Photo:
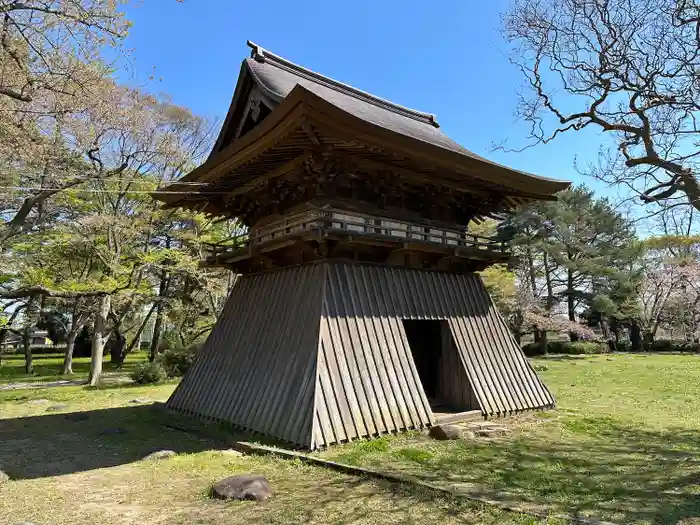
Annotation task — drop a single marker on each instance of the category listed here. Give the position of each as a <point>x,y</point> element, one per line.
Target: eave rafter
<point>303,111</point>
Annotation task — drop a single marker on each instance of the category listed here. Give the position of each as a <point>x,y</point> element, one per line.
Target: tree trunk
<point>549,304</point>
<point>157,333</point>
<point>548,282</point>
<point>98,339</point>
<point>75,327</point>
<point>635,336</point>
<point>531,272</point>
<point>158,324</point>
<point>137,335</point>
<point>27,345</point>
<point>604,328</point>
<point>70,345</point>
<point>32,318</point>
<point>570,305</point>
<point>543,342</point>
<point>117,343</point>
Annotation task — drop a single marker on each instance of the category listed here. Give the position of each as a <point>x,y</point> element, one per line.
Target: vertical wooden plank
<point>386,313</point>
<point>345,351</point>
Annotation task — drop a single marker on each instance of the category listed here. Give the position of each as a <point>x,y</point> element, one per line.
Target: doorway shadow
<point>57,444</point>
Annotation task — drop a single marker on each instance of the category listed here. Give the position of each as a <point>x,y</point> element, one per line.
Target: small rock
<point>4,478</point>
<point>232,452</point>
<point>38,402</point>
<point>141,400</point>
<point>160,454</point>
<point>491,432</point>
<point>443,432</point>
<point>244,487</point>
<point>56,408</point>
<point>112,431</point>
<point>78,416</point>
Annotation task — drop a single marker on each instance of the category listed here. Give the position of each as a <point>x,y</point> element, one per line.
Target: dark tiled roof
<point>278,77</point>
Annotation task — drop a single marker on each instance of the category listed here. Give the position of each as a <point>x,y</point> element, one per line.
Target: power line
<point>149,192</point>
<point>119,179</point>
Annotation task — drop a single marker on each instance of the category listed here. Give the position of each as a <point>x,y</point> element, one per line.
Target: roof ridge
<point>260,54</point>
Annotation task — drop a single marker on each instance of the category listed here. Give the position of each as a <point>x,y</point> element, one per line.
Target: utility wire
<point>162,192</point>
<point>119,179</point>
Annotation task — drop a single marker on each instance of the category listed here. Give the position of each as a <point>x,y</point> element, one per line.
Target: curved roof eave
<point>316,107</point>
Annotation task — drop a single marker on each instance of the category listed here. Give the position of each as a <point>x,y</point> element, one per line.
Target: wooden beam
<point>277,172</point>
<point>306,126</point>
<point>328,116</point>
<point>409,174</point>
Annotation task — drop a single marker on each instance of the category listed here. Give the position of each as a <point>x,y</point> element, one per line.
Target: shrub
<point>169,340</point>
<point>566,347</point>
<point>690,347</point>
<point>661,345</point>
<point>585,347</point>
<point>176,360</point>
<point>558,347</point>
<point>533,349</point>
<point>623,346</point>
<point>148,373</point>
<point>666,345</point>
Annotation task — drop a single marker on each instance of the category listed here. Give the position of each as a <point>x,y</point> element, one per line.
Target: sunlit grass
<point>624,444</point>
<point>83,464</point>
<point>48,367</point>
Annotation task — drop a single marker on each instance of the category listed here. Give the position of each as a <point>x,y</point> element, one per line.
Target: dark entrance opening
<point>425,341</point>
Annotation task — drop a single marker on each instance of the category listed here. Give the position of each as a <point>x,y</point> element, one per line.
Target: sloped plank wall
<point>257,369</point>
<point>317,354</point>
<point>368,384</point>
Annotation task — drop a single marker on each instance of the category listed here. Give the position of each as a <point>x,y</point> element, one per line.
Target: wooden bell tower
<point>358,312</point>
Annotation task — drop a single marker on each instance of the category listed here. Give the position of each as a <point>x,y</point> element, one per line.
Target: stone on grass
<point>141,400</point>
<point>491,432</point>
<point>232,452</point>
<point>160,454</point>
<point>56,408</point>
<point>4,478</point>
<point>244,487</point>
<point>444,432</point>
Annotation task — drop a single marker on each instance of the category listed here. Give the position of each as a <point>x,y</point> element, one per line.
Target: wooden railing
<point>336,220</point>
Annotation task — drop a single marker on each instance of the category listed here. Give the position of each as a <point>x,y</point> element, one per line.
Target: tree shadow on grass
<point>57,444</point>
<point>60,444</point>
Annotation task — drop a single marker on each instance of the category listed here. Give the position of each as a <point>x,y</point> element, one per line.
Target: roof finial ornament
<point>257,52</point>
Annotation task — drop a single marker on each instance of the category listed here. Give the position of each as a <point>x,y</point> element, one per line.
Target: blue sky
<point>447,58</point>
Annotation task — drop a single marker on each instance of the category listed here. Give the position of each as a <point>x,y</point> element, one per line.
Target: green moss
<point>413,454</point>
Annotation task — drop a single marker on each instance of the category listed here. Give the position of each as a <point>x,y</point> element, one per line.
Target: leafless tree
<point>46,44</point>
<point>628,68</point>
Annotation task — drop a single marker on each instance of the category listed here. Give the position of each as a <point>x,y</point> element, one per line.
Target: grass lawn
<point>47,367</point>
<point>74,456</point>
<point>623,445</point>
